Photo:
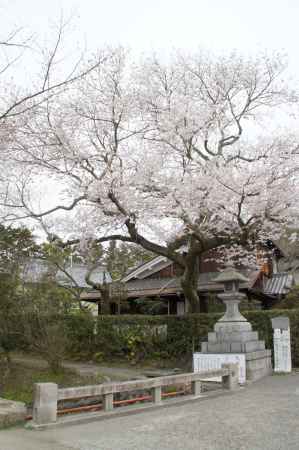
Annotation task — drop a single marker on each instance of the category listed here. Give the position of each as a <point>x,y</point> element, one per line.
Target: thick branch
<point>151,246</point>
<point>52,210</point>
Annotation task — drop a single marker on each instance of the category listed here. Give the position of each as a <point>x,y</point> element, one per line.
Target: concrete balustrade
<point>108,402</point>
<point>45,403</point>
<point>47,395</point>
<point>157,395</point>
<point>196,387</point>
<point>231,381</point>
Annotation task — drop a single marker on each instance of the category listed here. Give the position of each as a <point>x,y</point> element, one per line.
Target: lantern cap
<point>230,274</point>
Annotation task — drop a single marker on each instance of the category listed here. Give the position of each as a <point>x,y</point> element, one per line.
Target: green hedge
<point>145,337</point>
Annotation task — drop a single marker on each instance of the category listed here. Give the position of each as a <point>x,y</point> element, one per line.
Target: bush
<point>80,327</point>
<point>291,301</point>
<point>132,337</point>
<point>138,337</point>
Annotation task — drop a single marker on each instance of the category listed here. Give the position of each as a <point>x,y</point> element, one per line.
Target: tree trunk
<point>5,367</point>
<point>190,279</point>
<point>104,303</point>
<point>55,364</point>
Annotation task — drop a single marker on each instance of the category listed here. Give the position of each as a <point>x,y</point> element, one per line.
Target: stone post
<point>196,388</point>
<point>282,344</point>
<point>231,381</point>
<point>157,394</point>
<point>45,403</point>
<point>108,401</point>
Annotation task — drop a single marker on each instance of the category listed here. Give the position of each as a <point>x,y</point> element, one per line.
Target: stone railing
<point>47,395</point>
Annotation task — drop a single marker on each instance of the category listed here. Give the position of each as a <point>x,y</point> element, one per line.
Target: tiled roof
<point>34,270</point>
<point>156,286</point>
<point>279,283</point>
<point>78,273</point>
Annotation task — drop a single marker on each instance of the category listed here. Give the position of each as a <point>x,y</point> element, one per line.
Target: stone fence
<point>47,395</point>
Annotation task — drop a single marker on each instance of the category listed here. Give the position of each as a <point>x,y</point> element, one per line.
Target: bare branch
<point>44,90</point>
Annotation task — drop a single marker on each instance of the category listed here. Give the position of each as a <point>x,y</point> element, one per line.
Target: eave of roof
<point>165,286</point>
<point>142,267</point>
<point>279,284</point>
<point>156,260</point>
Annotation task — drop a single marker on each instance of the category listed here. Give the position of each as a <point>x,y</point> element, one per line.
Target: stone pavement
<point>265,416</point>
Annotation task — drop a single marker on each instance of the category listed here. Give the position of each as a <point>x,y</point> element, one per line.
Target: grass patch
<point>19,384</point>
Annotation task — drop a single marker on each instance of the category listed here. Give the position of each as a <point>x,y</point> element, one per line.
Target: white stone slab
<point>209,361</point>
<point>282,350</point>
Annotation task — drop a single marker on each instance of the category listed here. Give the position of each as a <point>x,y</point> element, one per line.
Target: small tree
<point>44,322</point>
<point>16,244</point>
<point>10,330</point>
<point>58,258</point>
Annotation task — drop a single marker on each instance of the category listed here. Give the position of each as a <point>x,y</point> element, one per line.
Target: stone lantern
<point>231,297</point>
<point>233,339</point>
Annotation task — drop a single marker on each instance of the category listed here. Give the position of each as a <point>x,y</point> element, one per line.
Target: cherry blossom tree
<point>177,156</point>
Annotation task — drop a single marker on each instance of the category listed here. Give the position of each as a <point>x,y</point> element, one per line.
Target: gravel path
<point>116,373</point>
<point>263,416</point>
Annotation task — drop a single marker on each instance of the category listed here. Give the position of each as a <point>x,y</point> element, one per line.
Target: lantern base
<point>252,365</point>
<point>258,365</point>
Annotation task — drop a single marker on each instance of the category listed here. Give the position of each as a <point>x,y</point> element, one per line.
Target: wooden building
<point>159,280</point>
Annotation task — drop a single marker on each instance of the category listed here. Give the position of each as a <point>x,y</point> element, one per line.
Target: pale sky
<point>161,25</point>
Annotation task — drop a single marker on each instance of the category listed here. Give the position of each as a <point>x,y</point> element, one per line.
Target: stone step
<point>233,326</point>
<point>246,336</point>
<point>232,347</point>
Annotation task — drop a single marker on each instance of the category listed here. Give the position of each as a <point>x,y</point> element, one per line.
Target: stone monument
<point>282,344</point>
<point>233,339</point>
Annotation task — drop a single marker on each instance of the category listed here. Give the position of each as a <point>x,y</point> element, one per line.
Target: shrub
<point>291,301</point>
<point>80,327</point>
